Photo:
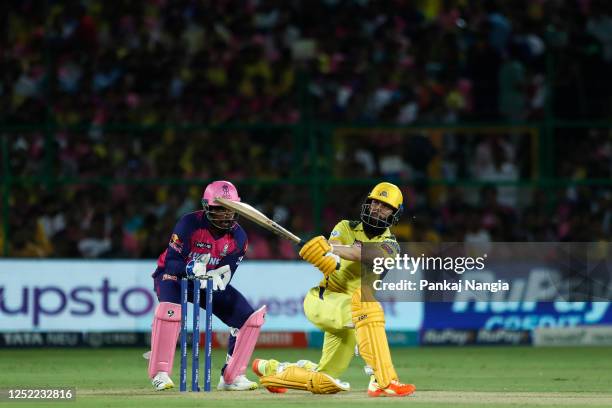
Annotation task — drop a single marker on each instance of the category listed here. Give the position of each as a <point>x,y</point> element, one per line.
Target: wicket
<point>195,345</point>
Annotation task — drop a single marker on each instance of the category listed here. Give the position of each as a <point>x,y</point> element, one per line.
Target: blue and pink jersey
<point>192,238</point>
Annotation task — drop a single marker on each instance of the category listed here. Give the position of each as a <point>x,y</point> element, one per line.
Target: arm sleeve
<point>178,248</point>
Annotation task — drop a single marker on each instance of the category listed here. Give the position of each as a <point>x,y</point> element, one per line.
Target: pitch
<point>445,377</point>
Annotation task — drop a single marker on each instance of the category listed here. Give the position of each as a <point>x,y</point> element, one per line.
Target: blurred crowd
<point>488,193</point>
<point>121,194</point>
<point>91,222</point>
<point>89,65</point>
<point>275,61</point>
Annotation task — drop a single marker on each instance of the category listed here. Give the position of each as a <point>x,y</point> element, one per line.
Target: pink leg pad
<point>166,328</point>
<point>245,343</point>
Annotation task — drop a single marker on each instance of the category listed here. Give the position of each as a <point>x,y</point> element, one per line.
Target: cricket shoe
<point>268,367</point>
<point>162,381</point>
<point>394,389</point>
<point>241,383</point>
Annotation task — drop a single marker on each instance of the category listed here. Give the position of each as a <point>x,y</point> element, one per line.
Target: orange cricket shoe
<point>267,367</point>
<point>395,389</point>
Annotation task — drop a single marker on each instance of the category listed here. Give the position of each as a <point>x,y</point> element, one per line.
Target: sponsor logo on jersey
<point>387,248</point>
<point>197,257</point>
<point>203,245</point>
<point>176,243</point>
<point>390,246</point>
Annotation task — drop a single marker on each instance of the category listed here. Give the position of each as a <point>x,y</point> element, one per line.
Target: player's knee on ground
<point>369,320</point>
<point>299,378</point>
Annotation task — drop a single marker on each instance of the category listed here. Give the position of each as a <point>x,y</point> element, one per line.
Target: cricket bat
<point>253,214</point>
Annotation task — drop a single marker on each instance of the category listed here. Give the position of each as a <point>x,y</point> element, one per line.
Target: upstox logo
<point>42,302</point>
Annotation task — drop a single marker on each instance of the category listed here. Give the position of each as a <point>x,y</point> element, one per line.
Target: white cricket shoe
<point>241,383</point>
<point>162,381</point>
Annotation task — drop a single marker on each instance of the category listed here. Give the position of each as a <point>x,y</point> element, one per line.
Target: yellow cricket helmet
<point>389,194</point>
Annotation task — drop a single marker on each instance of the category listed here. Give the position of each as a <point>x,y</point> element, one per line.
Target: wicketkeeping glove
<point>197,270</point>
<point>217,277</point>
<point>314,249</point>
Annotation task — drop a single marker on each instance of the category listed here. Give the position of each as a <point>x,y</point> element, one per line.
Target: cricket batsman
<point>204,243</point>
<point>336,307</point>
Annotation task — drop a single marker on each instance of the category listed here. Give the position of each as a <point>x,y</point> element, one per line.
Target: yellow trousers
<point>331,312</point>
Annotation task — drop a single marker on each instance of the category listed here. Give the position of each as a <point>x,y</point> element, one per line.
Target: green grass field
<point>445,377</point>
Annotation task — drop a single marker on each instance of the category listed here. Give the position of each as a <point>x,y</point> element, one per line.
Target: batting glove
<point>314,249</point>
<point>328,264</point>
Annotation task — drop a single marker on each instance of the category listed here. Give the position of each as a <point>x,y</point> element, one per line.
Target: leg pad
<point>245,343</point>
<point>369,320</point>
<point>299,378</point>
<point>166,328</point>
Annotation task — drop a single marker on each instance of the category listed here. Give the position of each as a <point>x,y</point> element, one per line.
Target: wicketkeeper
<point>208,242</point>
<point>336,307</point>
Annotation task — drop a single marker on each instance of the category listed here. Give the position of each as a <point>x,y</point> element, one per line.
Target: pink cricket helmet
<point>220,188</point>
<point>220,217</point>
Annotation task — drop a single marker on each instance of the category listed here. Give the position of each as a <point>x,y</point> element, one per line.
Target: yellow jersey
<point>348,278</point>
